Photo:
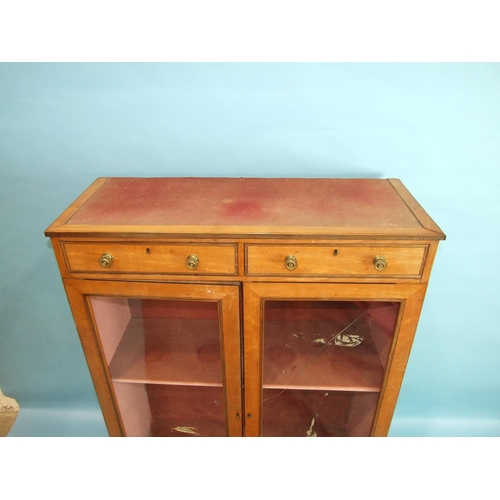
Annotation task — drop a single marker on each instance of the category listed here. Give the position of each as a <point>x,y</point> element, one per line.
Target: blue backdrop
<point>434,126</point>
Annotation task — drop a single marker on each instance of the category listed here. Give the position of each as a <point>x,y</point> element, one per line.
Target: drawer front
<point>342,260</point>
<point>138,258</point>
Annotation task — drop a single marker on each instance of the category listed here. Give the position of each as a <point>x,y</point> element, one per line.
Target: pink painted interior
<point>340,414</point>
<point>361,414</point>
<point>169,351</point>
<point>179,309</point>
<point>314,310</point>
<point>305,376</point>
<point>134,408</point>
<point>112,315</point>
<point>173,407</point>
<point>299,351</point>
<point>246,202</point>
<point>383,317</point>
<point>165,363</point>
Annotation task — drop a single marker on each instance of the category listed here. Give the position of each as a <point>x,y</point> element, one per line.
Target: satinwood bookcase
<point>246,307</point>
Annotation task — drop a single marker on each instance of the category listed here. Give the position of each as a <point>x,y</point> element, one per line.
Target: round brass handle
<point>192,262</point>
<point>291,262</point>
<point>106,260</point>
<point>380,263</point>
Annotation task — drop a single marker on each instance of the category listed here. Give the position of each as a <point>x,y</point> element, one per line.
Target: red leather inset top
<point>246,202</point>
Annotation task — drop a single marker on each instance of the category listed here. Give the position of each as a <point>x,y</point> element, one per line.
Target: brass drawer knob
<point>106,260</point>
<point>291,262</point>
<point>380,263</point>
<point>192,262</point>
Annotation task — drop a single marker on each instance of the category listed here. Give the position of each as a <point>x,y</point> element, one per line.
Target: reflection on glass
<point>164,358</point>
<point>324,364</point>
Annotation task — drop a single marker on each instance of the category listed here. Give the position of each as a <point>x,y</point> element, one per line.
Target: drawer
<point>330,260</point>
<point>152,258</point>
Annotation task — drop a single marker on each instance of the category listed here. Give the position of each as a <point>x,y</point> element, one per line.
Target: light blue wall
<point>434,126</point>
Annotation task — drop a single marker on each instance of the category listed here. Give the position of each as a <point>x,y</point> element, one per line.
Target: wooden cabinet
<point>246,307</point>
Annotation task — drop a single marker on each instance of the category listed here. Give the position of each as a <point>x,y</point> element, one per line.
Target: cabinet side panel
<point>61,262</point>
<point>409,321</point>
<point>429,262</point>
<point>95,358</point>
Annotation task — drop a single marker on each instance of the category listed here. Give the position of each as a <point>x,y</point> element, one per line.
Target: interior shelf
<point>303,355</point>
<point>169,351</point>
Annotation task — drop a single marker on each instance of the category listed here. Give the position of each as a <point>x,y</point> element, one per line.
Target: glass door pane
<point>323,365</point>
<point>165,362</point>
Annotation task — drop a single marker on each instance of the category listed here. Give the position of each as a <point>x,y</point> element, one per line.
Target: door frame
<point>227,297</point>
<point>410,296</point>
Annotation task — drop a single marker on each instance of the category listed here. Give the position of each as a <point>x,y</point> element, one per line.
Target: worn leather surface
<point>247,202</point>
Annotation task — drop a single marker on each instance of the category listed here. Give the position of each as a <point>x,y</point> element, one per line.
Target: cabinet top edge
<point>246,207</point>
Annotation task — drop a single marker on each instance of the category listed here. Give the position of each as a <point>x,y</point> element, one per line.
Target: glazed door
<point>164,358</point>
<point>325,359</point>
